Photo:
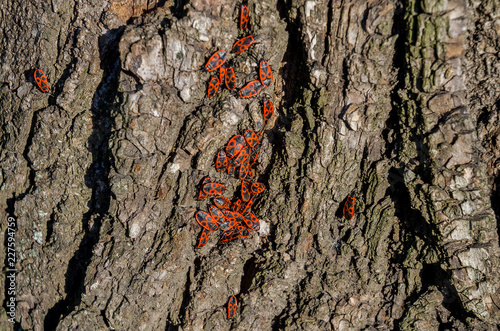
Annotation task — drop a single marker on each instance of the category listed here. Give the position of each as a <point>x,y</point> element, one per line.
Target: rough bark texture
<point>396,100</point>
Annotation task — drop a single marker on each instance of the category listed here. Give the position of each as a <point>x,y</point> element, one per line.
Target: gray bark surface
<point>398,101</point>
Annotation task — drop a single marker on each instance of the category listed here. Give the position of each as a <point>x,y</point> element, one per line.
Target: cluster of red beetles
<point>234,219</point>
<point>238,158</point>
<point>241,151</point>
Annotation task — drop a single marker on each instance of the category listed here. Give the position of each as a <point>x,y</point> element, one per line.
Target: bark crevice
<point>96,179</point>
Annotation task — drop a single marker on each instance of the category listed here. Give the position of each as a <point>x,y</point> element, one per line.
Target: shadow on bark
<point>178,8</point>
<point>186,296</point>
<point>415,226</point>
<point>495,197</point>
<point>294,58</point>
<point>249,270</point>
<point>96,178</point>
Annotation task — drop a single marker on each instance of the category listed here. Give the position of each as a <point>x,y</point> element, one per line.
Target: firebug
<point>221,162</point>
<point>243,155</point>
<point>205,220</point>
<point>242,44</point>
<point>251,138</point>
<point>268,109</point>
<point>244,17</point>
<point>251,221</point>
<point>265,73</point>
<point>205,234</point>
<point>222,202</point>
<point>244,170</point>
<point>234,146</point>
<point>222,74</point>
<point>202,195</point>
<point>349,206</point>
<point>216,60</point>
<point>257,188</point>
<point>217,215</point>
<point>41,81</point>
<point>251,89</point>
<point>230,78</point>
<point>213,86</point>
<point>245,191</point>
<point>213,188</point>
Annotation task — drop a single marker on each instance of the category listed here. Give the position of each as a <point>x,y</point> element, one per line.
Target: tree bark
<point>396,101</point>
